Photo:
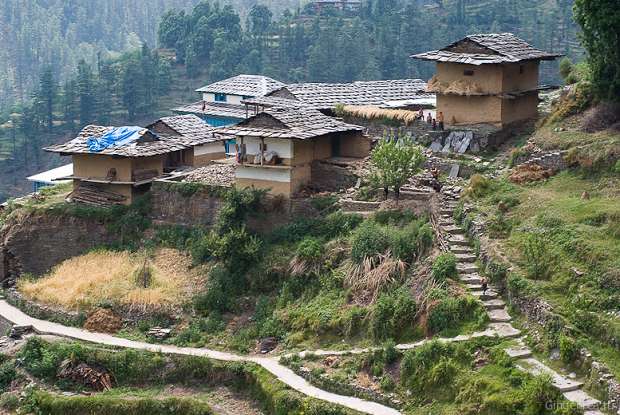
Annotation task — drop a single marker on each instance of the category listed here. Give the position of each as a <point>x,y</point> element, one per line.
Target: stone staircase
<point>469,275</point>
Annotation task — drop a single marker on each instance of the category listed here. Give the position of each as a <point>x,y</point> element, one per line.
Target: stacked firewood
<point>98,379</point>
<point>92,195</point>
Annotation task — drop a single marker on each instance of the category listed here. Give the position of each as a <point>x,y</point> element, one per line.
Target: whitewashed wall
<point>284,148</point>
<point>209,148</point>
<point>265,173</point>
<point>230,99</point>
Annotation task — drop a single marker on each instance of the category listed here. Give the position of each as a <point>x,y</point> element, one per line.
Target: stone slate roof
<point>289,123</point>
<point>325,96</point>
<point>492,48</point>
<point>248,85</point>
<point>190,134</point>
<point>192,128</point>
<point>214,109</point>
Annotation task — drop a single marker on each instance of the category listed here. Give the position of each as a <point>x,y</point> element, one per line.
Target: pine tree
<point>69,105</point>
<point>85,86</point>
<point>46,97</point>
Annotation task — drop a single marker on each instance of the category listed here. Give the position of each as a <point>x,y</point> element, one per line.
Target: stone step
<point>489,295</point>
<point>582,399</point>
<point>461,249</point>
<point>499,315</point>
<point>473,287</point>
<point>536,367</point>
<point>466,257</point>
<point>459,240</point>
<point>471,278</point>
<point>467,268</point>
<point>447,211</point>
<point>453,230</point>
<point>494,304</point>
<point>447,222</point>
<point>519,352</point>
<point>505,330</point>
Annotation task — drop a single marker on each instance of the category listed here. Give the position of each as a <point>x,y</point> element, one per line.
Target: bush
<point>310,249</point>
<point>540,396</point>
<point>479,186</point>
<point>569,350</point>
<point>334,225</point>
<point>410,242</point>
<point>393,315</point>
<point>537,256</point>
<point>444,267</point>
<point>7,374</point>
<point>450,312</point>
<point>368,241</point>
<point>434,365</point>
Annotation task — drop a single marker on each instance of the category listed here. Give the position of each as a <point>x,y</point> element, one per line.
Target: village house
<point>487,79</point>
<point>325,97</point>
<point>114,165</point>
<point>343,5</point>
<point>276,147</point>
<point>221,102</point>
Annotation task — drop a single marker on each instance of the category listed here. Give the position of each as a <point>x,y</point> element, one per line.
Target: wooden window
<point>468,72</point>
<point>220,97</point>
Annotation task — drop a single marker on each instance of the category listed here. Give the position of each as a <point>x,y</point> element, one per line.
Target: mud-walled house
<point>487,79</point>
<point>113,165</point>
<point>277,147</point>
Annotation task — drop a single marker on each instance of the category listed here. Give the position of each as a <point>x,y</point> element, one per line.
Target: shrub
<point>309,249</point>
<point>497,271</point>
<point>537,256</point>
<point>7,374</point>
<point>393,315</point>
<point>368,241</point>
<point>479,186</point>
<point>569,350</point>
<point>410,242</point>
<point>238,205</point>
<point>540,396</point>
<point>450,312</point>
<point>444,267</point>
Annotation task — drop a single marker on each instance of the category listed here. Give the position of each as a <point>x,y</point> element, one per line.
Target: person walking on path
<point>485,286</point>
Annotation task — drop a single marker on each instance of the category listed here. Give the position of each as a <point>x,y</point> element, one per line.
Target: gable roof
<point>325,96</point>
<point>491,48</point>
<point>193,129</point>
<point>189,133</point>
<point>289,122</point>
<point>244,85</point>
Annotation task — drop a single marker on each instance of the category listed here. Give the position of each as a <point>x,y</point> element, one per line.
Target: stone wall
<point>553,160</point>
<point>329,177</point>
<point>35,242</point>
<point>176,207</point>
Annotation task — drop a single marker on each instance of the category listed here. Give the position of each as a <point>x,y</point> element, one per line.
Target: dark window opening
<point>468,72</point>
<point>521,69</point>
<point>220,97</point>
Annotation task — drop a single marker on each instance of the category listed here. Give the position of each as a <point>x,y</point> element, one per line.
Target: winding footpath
<point>271,364</point>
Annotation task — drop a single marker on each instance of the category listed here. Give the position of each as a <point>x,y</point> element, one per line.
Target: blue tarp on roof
<point>116,137</point>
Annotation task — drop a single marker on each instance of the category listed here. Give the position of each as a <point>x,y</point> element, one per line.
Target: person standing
<point>440,120</point>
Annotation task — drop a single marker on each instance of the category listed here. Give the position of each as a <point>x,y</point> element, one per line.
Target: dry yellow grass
<point>84,282</point>
<point>376,113</point>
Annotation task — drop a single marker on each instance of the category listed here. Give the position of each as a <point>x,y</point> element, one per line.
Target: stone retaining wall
<point>44,312</point>
<point>33,243</point>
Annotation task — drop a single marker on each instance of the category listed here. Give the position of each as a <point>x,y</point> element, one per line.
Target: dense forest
<point>135,60</point>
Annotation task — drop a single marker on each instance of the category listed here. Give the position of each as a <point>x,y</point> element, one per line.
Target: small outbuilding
<point>113,165</point>
<point>487,79</point>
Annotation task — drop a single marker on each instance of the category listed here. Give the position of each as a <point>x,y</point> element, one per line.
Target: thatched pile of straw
<point>375,113</point>
<point>459,87</point>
